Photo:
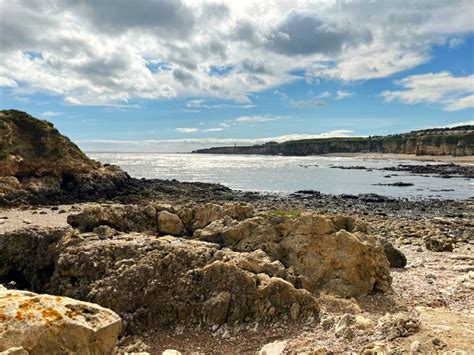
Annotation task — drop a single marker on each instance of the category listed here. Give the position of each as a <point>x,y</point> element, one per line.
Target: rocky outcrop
<point>45,324</point>
<point>262,268</point>
<point>457,141</point>
<point>321,252</point>
<point>38,164</point>
<point>163,281</point>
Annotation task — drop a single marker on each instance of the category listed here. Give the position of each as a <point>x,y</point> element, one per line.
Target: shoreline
<point>461,160</point>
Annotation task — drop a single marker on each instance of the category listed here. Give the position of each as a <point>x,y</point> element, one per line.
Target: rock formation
<point>261,268</point>
<point>44,324</point>
<point>38,164</point>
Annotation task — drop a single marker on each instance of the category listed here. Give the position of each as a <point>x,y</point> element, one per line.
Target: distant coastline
<point>456,141</point>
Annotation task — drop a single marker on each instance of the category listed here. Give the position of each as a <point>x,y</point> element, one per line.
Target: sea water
<point>288,174</point>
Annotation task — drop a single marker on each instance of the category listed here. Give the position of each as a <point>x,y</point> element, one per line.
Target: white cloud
<point>197,130</point>
<point>51,114</point>
<point>307,104</point>
<point>7,82</point>
<point>187,130</point>
<point>341,94</point>
<point>88,55</point>
<point>188,144</point>
<point>258,118</point>
<point>452,93</point>
<point>459,104</point>
<point>323,95</point>
<point>456,124</point>
<point>455,42</point>
<point>216,129</point>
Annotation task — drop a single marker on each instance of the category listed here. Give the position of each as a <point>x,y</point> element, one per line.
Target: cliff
<point>37,163</point>
<point>457,141</point>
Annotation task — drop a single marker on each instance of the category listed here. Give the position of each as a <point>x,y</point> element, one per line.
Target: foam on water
<point>287,174</point>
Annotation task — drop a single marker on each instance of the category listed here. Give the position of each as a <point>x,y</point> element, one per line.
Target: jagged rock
<point>199,216</point>
<point>123,218</point>
<point>45,324</point>
<point>321,256</point>
<point>394,256</point>
<point>169,223</point>
<point>180,281</point>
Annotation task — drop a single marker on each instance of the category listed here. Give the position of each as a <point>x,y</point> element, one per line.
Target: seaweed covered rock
<point>45,324</point>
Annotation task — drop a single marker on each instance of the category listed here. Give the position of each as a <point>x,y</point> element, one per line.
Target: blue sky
<point>199,74</point>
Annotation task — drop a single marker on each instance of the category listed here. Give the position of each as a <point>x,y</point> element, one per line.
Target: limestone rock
<point>320,255</point>
<point>180,281</point>
<point>275,348</point>
<point>123,218</point>
<point>169,223</point>
<point>44,324</point>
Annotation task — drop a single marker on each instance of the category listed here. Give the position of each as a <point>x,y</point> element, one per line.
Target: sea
<point>281,174</point>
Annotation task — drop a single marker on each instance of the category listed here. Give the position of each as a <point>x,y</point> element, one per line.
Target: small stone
<point>295,311</point>
<point>275,348</point>
<point>415,347</point>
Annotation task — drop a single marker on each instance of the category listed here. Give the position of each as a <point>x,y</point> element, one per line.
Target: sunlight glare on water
<point>286,174</point>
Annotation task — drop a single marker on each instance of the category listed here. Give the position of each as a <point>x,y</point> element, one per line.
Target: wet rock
<point>44,324</point>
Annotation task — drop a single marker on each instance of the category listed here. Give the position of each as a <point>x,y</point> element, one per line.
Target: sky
<point>120,75</point>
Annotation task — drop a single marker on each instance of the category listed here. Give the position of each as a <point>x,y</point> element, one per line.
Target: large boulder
<point>45,324</point>
<point>320,251</point>
<point>169,223</point>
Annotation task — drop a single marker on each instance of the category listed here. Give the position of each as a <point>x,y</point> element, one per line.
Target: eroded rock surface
<point>45,324</point>
<point>39,165</point>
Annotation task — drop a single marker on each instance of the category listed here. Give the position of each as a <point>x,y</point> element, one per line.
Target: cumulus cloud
<point>7,82</point>
<point>304,32</point>
<point>452,93</point>
<point>90,52</point>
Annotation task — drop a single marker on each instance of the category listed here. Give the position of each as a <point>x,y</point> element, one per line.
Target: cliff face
<point>458,141</point>
<point>33,148</point>
<point>39,164</point>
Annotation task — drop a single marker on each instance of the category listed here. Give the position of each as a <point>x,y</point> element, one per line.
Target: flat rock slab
<point>46,324</point>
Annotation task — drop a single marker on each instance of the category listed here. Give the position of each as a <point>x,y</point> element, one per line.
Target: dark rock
<point>394,256</point>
